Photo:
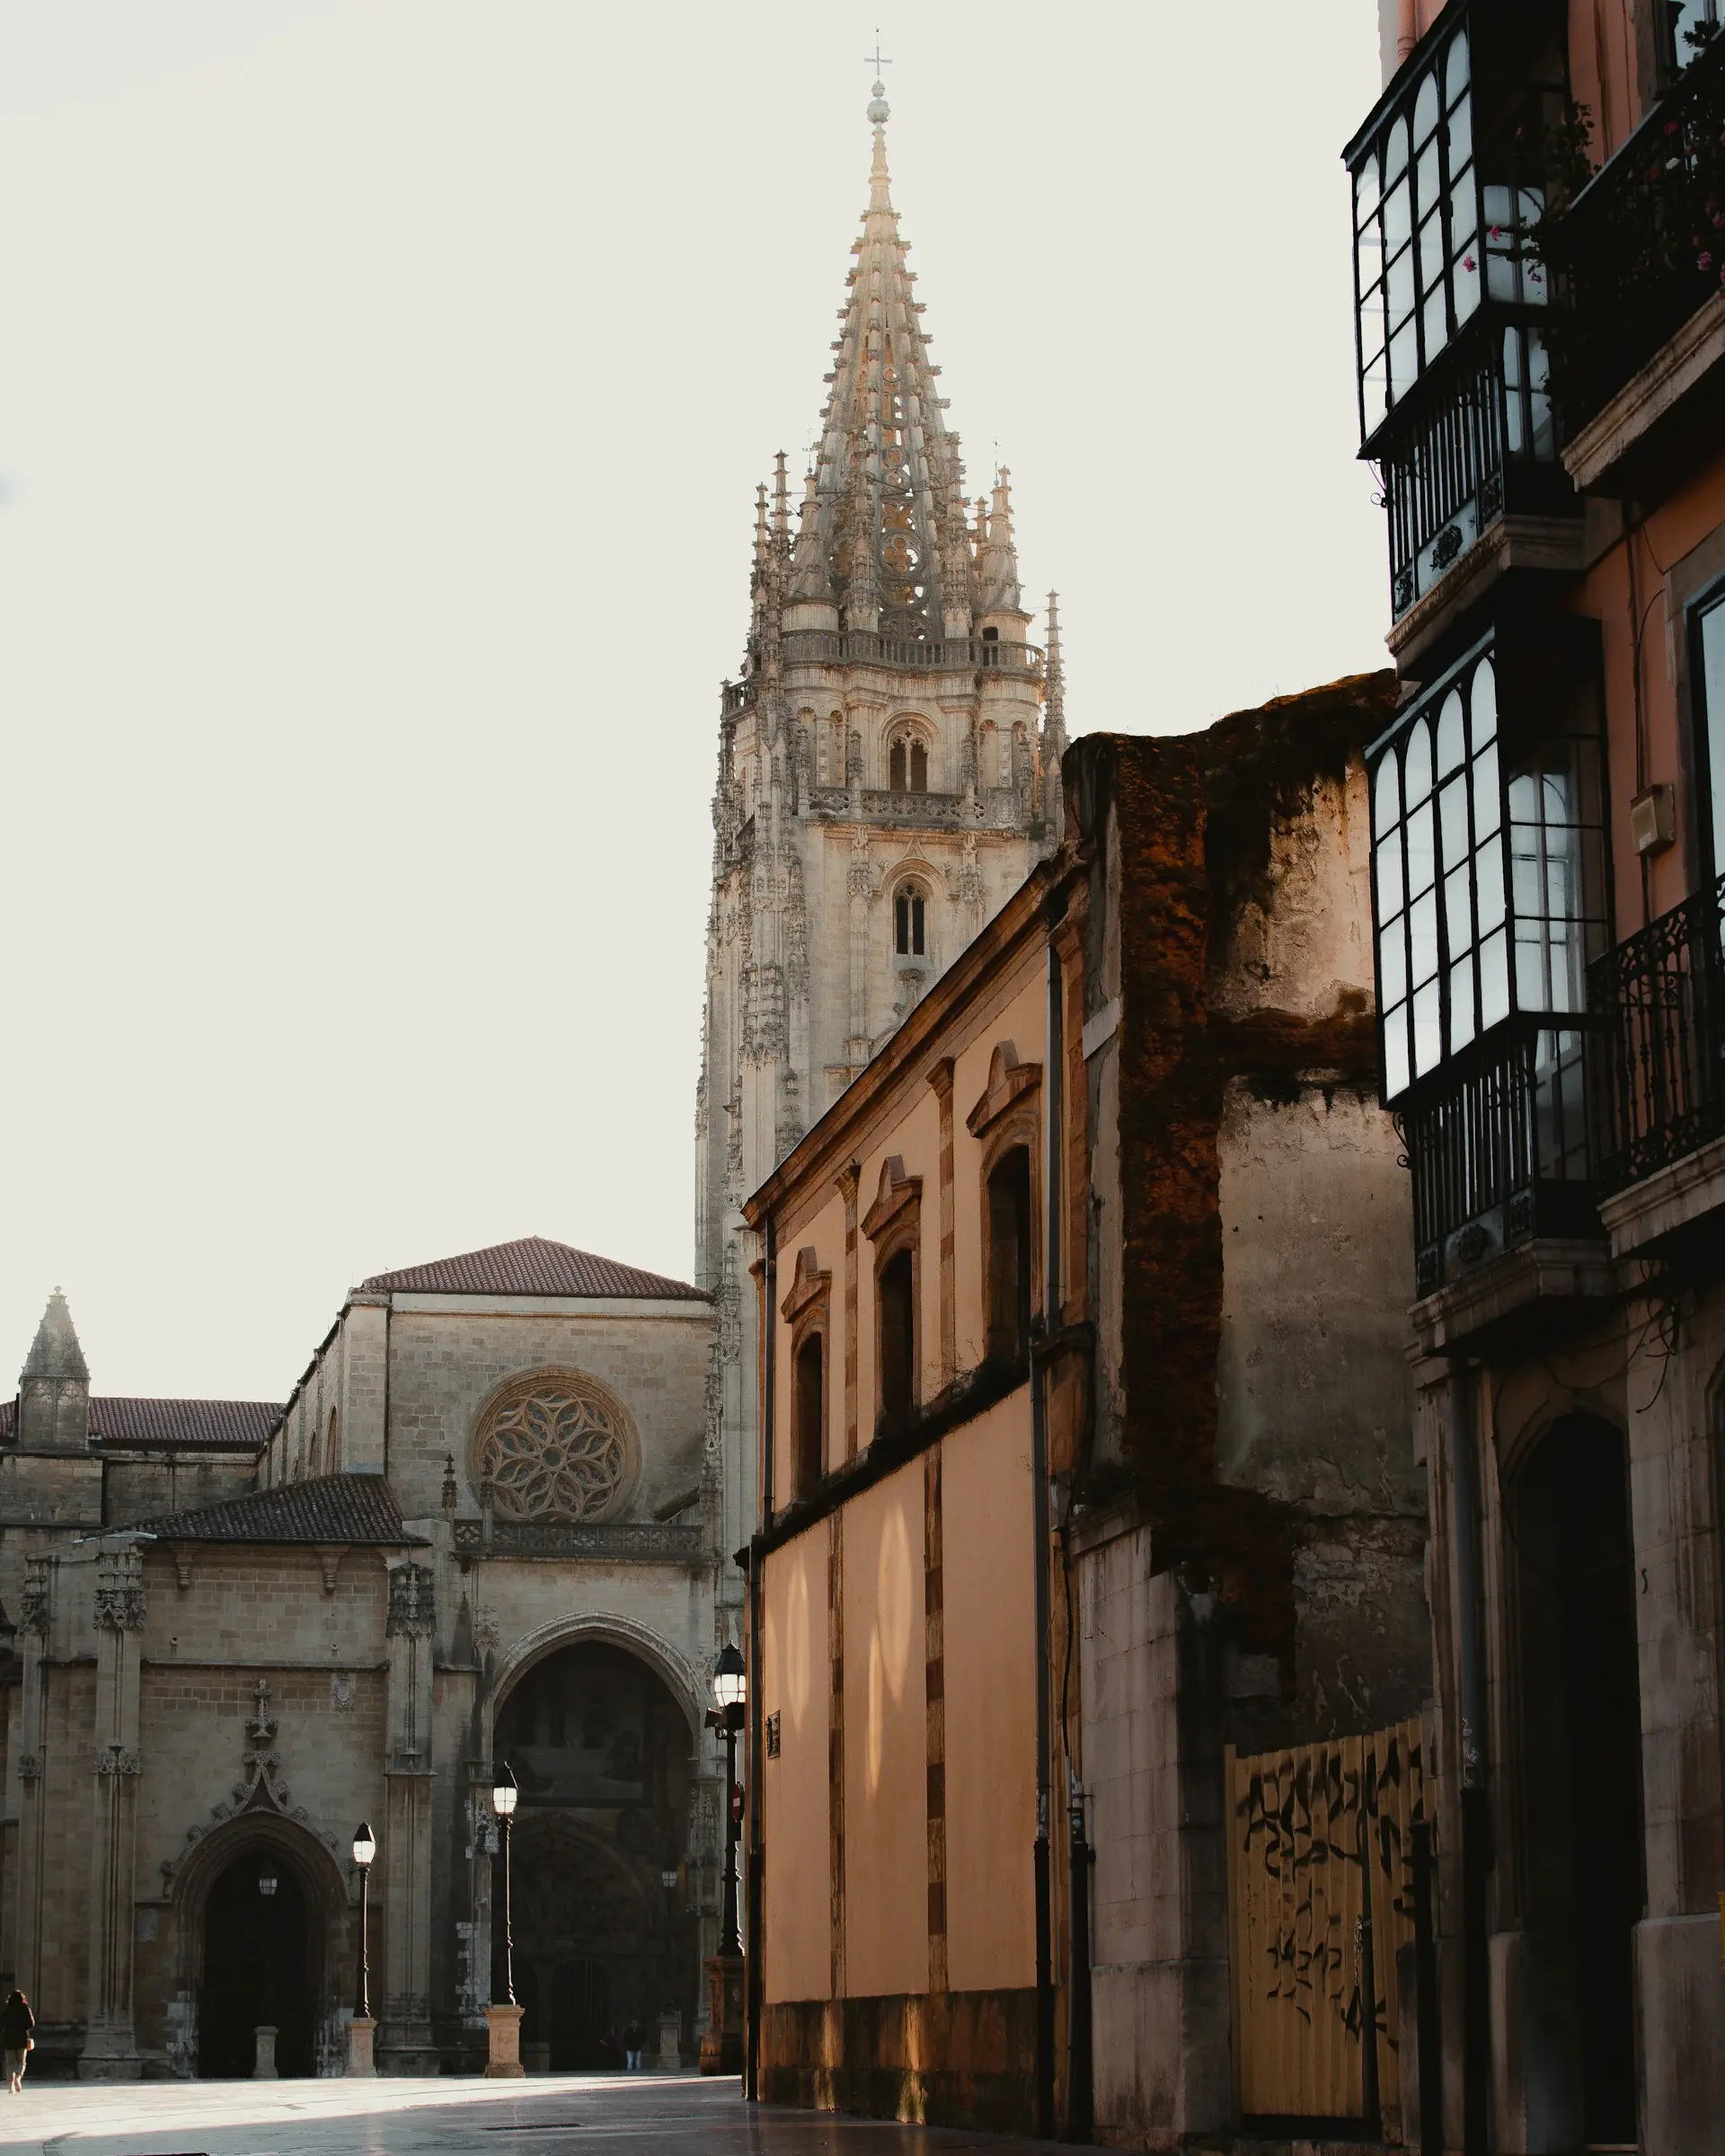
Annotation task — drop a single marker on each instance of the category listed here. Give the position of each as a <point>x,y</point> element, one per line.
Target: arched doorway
<point>603,1755</point>
<point>263,1964</point>
<point>1581,1759</point>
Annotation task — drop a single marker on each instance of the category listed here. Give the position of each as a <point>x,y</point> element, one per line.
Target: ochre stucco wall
<point>1022,1020</point>
<point>796,1685</point>
<point>886,1760</point>
<point>988,1571</point>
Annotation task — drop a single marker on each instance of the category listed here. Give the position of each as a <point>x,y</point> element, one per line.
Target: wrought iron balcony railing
<point>1498,1141</point>
<point>1660,1001</point>
<point>1641,246</point>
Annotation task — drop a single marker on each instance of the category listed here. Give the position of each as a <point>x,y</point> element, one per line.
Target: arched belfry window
<point>907,763</point>
<point>910,922</point>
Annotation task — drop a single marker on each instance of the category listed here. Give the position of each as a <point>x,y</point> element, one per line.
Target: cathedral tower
<point>888,771</point>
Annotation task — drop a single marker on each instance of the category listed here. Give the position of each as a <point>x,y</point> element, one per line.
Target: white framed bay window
<point>1488,855</point>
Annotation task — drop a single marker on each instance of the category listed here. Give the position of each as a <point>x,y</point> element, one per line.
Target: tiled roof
<point>532,1267</point>
<point>209,1425</point>
<point>328,1508</point>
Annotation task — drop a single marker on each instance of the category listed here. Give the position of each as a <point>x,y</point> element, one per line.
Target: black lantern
<point>504,1793</point>
<point>364,1848</point>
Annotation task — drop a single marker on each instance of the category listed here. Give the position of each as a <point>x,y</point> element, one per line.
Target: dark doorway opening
<point>811,1420</point>
<point>1582,1749</point>
<point>259,1968</point>
<point>581,2017</point>
<point>603,1759</point>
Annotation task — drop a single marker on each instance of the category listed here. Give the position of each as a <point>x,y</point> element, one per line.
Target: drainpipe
<point>1476,1814</point>
<point>752,1972</point>
<point>1041,1544</point>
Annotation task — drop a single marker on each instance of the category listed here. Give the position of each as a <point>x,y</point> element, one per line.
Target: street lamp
<point>731,1689</point>
<point>503,1796</point>
<point>364,1848</point>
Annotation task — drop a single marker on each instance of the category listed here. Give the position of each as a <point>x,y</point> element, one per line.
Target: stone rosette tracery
<point>554,1447</point>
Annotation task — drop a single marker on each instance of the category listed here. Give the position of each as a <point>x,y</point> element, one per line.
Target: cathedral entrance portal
<point>603,1756</point>
<point>259,1968</point>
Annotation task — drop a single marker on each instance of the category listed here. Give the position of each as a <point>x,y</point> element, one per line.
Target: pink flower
<point>1670,127</point>
<point>1704,261</point>
<point>1494,231</point>
<point>1467,263</point>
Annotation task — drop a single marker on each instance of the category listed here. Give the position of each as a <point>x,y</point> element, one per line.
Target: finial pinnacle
<point>880,111</point>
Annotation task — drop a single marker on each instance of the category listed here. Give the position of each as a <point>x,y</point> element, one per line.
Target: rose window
<point>556,1451</point>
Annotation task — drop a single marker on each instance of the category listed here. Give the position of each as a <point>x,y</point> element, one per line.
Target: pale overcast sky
<point>382,390</point>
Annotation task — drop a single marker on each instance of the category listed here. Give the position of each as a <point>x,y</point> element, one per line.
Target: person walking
<point>16,2021</point>
<point>632,2041</point>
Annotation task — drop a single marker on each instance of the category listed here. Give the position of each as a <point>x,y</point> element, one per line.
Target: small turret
<point>997,569</point>
<point>54,1386</point>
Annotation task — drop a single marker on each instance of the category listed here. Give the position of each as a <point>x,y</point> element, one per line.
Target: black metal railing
<point>1499,1144</point>
<point>1660,1001</point>
<point>1637,251</point>
<point>1443,469</point>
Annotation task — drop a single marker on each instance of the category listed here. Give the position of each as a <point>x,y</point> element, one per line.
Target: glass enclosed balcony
<point>1489,897</point>
<point>1451,302</point>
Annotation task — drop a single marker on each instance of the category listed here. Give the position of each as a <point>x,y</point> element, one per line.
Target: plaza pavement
<point>612,2115</point>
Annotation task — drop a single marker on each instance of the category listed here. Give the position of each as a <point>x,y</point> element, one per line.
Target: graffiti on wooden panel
<point>1319,1844</point>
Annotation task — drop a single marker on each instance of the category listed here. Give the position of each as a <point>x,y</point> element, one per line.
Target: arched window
<point>909,924</point>
<point>895,1291</point>
<point>1009,1255</point>
<point>907,763</point>
<point>809,1415</point>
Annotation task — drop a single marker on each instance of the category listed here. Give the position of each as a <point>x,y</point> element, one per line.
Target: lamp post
<point>503,2015</point>
<point>721,2048</point>
<point>263,2060</point>
<point>362,2027</point>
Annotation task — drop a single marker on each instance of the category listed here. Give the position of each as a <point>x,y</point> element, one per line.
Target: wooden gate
<point>1312,1833</point>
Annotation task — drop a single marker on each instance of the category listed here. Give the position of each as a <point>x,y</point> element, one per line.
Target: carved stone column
<point>26,1764</point>
<point>110,2048</point>
<point>405,2043</point>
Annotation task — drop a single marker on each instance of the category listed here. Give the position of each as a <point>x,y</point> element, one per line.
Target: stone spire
<point>1054,728</point>
<point>54,1386</point>
<point>882,544</point>
<point>997,570</point>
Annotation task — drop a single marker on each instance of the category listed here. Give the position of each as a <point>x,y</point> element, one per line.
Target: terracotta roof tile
<point>531,1267</point>
<point>327,1508</point>
<point>213,1425</point>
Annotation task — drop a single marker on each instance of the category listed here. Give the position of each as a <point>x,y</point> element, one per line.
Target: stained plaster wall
<point>796,1685</point>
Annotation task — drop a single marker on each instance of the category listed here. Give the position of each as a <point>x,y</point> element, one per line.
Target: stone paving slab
<point>632,2115</point>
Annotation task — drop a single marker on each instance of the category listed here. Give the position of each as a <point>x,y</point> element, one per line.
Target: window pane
<point>1427,107</point>
<point>1395,1052</point>
<point>1393,963</point>
<point>1461,1004</point>
<point>1427,1035</point>
<point>1432,252</point>
<point>1371,325</point>
<point>1452,820</point>
<point>1462,210</point>
<point>1404,361</point>
<point>1494,979</point>
<point>1488,885</point>
<point>1437,321</point>
<point>1416,764</point>
<point>1422,866</point>
<point>1452,745</point>
<point>1539,368</point>
<point>1458,910</point>
<point>1455,68</point>
<point>1396,151</point>
<point>1386,804</point>
<point>1482,699</point>
<point>1400,287</point>
<point>1388,862</point>
<point>1365,190</point>
<point>1466,279</point>
<point>1461,136</point>
<point>1428,185</point>
<point>1422,938</point>
<point>1488,803</point>
<point>1530,207</point>
<point>1398,217</point>
<point>1531,989</point>
<point>1375,391</point>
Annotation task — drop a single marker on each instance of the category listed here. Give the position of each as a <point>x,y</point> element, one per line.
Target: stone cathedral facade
<point>493,1520</point>
<point>888,772</point>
